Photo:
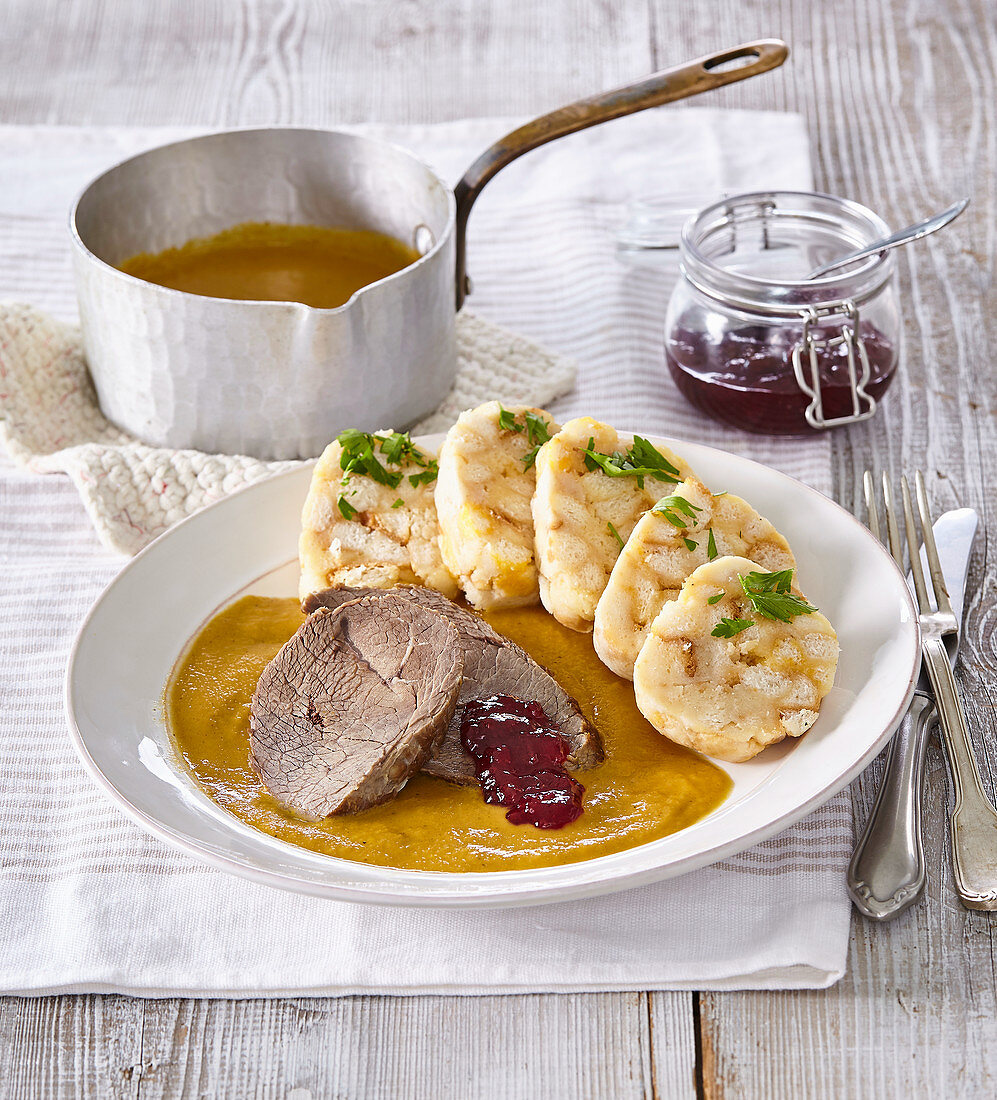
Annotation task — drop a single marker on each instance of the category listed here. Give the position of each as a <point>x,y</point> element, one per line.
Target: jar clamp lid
<point>749,254</point>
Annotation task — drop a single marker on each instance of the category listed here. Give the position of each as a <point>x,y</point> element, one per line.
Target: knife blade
<point>954,532</point>
<point>887,872</point>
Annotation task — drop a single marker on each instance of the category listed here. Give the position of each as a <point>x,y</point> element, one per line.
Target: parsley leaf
<point>398,503</point>
<point>359,456</point>
<point>727,628</point>
<point>537,429</point>
<point>507,421</point>
<point>538,432</point>
<point>711,547</point>
<point>641,460</point>
<point>428,475</point>
<point>689,544</point>
<point>616,534</point>
<point>717,598</point>
<point>346,510</point>
<point>771,597</point>
<point>671,507</point>
<point>398,446</point>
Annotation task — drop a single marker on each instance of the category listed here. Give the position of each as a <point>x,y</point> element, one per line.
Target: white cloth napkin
<point>89,902</point>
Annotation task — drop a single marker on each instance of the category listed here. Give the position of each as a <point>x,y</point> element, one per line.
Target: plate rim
<point>385,893</point>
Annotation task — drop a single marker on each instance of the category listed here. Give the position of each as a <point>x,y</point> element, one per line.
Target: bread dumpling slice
<point>718,675</point>
<point>483,497</point>
<point>370,517</point>
<point>590,494</point>
<point>684,530</point>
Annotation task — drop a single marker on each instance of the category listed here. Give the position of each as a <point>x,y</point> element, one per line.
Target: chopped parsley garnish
<point>398,503</point>
<point>727,628</point>
<point>711,546</point>
<point>717,598</point>
<point>641,460</point>
<point>398,446</point>
<point>537,431</point>
<point>771,597</point>
<point>689,544</point>
<point>616,534</point>
<point>673,508</point>
<point>428,476</point>
<point>362,454</point>
<point>507,421</point>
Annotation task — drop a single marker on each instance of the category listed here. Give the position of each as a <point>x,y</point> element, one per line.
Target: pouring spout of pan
<point>702,75</point>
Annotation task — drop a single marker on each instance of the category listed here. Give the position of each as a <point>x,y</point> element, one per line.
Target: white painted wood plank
<point>545,1047</point>
<point>70,1046</point>
<point>228,63</point>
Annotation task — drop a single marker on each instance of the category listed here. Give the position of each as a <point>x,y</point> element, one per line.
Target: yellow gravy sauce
<point>646,788</point>
<point>264,261</point>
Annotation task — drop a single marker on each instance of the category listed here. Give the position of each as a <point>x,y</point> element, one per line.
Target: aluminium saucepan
<point>280,379</point>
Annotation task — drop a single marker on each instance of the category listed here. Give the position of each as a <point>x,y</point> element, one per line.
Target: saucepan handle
<point>702,75</point>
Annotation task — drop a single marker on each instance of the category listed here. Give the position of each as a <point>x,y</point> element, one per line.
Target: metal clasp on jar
<point>806,363</point>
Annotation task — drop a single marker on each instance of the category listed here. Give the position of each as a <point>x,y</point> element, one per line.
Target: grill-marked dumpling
<point>731,695</point>
<point>583,514</point>
<point>377,528</point>
<point>483,500</point>
<point>685,529</point>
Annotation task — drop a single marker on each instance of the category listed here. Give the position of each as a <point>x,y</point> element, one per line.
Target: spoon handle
<point>702,75</point>
<point>902,236</point>
<point>887,872</point>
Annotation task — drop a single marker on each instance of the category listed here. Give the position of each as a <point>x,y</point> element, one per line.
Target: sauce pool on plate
<point>647,787</point>
<point>318,266</point>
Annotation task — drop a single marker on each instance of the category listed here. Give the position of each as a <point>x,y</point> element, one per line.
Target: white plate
<point>248,542</point>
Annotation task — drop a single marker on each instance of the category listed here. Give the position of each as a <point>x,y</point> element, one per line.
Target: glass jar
<point>751,342</point>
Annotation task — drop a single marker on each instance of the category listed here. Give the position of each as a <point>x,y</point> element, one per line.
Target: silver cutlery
<point>887,872</point>
<point>902,236</point>
<point>974,821</point>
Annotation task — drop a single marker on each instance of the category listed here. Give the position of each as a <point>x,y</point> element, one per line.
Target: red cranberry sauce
<point>519,757</point>
<point>745,377</point>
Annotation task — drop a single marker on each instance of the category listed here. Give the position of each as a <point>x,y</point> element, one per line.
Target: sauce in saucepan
<point>263,261</point>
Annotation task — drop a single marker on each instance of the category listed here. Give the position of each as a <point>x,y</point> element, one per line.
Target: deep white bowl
<point>248,542</point>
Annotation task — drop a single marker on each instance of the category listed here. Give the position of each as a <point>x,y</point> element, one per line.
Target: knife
<point>887,871</point>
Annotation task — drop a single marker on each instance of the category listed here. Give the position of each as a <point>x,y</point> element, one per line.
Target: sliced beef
<point>493,665</point>
<point>354,703</point>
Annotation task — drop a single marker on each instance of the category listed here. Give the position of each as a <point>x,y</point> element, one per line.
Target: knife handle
<point>974,820</point>
<point>887,871</point>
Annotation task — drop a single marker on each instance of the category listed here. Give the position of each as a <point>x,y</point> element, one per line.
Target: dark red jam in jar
<point>746,378</point>
<point>751,342</point>
<point>519,759</point>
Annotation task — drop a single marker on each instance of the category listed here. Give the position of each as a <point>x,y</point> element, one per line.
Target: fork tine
<point>930,550</point>
<point>872,511</point>
<point>896,546</point>
<point>915,558</point>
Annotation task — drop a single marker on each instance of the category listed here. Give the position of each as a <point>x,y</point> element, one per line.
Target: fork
<point>974,821</point>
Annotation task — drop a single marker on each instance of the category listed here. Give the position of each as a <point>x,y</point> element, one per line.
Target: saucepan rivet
<point>423,238</point>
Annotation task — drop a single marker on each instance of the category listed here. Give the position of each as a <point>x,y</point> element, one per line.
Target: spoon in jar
<point>902,236</point>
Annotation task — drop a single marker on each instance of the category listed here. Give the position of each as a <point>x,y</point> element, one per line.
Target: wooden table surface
<point>900,100</point>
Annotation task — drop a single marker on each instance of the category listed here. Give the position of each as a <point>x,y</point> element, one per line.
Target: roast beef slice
<point>354,703</point>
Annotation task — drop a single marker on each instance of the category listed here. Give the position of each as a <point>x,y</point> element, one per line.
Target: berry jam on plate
<point>519,759</point>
